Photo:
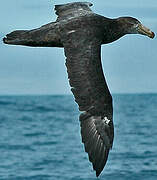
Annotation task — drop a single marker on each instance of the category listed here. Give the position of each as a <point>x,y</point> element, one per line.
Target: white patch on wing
<point>72,31</point>
<point>106,120</point>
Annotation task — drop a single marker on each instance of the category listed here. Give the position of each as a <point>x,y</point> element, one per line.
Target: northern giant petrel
<point>82,32</point>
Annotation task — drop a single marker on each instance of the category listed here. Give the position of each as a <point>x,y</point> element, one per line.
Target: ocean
<point>40,139</point>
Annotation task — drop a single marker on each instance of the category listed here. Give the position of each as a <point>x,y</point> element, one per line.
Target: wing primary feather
<point>95,141</point>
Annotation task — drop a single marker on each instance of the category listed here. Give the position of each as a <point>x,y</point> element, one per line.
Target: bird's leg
<point>45,36</point>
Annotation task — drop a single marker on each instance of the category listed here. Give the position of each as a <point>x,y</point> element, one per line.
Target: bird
<point>81,32</point>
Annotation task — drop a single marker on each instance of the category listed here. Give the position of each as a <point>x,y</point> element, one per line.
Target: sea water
<point>40,139</point>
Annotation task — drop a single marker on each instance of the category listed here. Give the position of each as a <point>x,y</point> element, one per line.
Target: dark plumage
<point>82,32</point>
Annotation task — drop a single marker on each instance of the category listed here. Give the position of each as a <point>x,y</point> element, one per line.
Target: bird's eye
<point>136,25</point>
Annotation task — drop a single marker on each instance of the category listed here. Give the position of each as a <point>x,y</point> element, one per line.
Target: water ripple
<point>40,139</point>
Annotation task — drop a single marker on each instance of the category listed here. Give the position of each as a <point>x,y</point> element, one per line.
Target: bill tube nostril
<point>145,31</point>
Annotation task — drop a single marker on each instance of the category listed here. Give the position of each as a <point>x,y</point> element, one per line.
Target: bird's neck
<point>113,31</point>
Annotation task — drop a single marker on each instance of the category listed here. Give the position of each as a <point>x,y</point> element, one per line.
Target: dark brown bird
<point>82,32</point>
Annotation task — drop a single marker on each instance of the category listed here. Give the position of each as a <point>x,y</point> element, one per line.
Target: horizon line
<point>119,93</point>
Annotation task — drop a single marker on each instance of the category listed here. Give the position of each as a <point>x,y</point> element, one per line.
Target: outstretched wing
<point>71,10</point>
<point>82,44</point>
<point>45,36</point>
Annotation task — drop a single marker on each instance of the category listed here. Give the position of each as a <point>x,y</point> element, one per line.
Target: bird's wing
<point>45,36</point>
<point>83,52</point>
<point>71,10</point>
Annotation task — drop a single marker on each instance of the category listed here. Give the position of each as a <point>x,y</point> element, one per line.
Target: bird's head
<point>133,26</point>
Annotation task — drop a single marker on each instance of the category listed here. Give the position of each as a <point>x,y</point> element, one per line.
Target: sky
<point>129,64</point>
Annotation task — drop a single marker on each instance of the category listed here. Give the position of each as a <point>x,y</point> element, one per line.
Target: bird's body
<point>82,32</point>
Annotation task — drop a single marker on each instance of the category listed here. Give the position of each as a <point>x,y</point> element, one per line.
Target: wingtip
<point>97,173</point>
<point>4,40</point>
<point>90,4</point>
<point>15,38</point>
<point>9,38</point>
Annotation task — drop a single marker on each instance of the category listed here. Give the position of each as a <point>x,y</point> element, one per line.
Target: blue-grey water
<point>40,139</point>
